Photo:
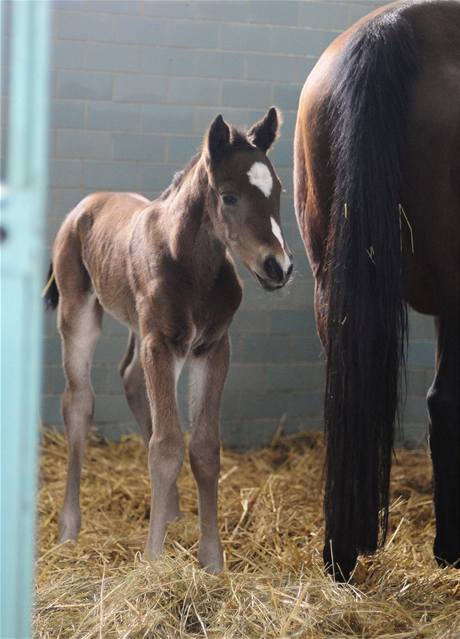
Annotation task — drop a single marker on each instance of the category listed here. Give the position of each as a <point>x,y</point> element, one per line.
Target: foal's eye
<point>229,200</point>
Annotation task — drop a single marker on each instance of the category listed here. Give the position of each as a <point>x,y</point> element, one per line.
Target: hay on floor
<point>271,525</point>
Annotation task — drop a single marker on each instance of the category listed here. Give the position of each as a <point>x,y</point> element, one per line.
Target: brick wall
<point>134,86</point>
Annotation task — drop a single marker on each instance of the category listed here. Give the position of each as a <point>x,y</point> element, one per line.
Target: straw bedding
<point>271,526</point>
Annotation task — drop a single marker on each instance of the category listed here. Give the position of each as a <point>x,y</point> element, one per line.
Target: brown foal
<point>163,268</point>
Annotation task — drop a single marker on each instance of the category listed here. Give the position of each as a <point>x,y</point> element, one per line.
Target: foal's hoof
<point>67,533</point>
<point>339,564</point>
<point>152,554</point>
<point>211,561</point>
<point>69,528</point>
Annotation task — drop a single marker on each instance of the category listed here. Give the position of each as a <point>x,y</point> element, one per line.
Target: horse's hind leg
<point>444,409</point>
<point>133,379</point>
<point>80,319</point>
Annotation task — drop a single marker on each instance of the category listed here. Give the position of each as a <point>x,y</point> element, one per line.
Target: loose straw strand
<point>48,284</point>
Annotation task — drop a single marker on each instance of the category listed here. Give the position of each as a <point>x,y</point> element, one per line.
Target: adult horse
<point>377,196</point>
<point>163,268</point>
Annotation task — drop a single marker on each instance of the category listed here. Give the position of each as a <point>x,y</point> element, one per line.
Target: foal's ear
<point>265,132</point>
<point>217,138</point>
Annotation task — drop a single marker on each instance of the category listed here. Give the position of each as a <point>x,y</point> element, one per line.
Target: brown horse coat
<point>377,196</point>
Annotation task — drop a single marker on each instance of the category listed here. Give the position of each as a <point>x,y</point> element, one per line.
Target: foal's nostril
<point>273,269</point>
<point>289,271</point>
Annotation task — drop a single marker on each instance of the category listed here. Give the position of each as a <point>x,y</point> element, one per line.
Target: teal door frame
<point>22,221</point>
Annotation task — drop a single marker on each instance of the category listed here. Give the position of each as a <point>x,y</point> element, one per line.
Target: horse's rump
<point>91,250</point>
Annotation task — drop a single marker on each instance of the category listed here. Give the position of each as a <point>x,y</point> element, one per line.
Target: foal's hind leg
<point>444,409</point>
<point>133,379</point>
<point>80,319</point>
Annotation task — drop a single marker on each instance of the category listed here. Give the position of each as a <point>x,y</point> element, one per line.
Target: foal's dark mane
<point>367,317</point>
<point>238,140</point>
<point>179,177</point>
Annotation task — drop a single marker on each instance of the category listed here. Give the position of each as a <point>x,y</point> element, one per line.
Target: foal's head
<point>246,193</point>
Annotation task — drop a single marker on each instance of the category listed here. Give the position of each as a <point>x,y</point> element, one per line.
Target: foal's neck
<point>194,240</point>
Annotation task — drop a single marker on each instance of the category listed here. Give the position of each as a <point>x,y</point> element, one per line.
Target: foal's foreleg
<point>166,447</point>
<point>79,325</point>
<point>133,379</point>
<point>207,378</point>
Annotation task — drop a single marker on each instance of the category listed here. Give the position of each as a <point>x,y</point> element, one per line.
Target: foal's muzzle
<point>274,275</point>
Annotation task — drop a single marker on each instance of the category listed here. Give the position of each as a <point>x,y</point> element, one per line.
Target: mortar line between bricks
<point>276,83</point>
<point>220,25</point>
<point>198,20</point>
<point>221,93</point>
<point>180,164</point>
<point>85,117</point>
<point>148,74</point>
<point>180,104</point>
<point>144,133</point>
<point>230,51</point>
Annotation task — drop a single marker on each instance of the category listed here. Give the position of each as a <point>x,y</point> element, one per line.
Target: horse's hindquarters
<point>430,221</point>
<point>105,225</point>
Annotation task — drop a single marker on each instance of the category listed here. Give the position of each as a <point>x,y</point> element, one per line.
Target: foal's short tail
<point>367,316</point>
<point>50,292</point>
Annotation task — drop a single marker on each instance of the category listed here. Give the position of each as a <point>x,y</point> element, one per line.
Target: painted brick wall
<point>134,86</point>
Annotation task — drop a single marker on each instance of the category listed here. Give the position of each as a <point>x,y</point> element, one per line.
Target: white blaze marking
<point>277,233</point>
<point>260,176</point>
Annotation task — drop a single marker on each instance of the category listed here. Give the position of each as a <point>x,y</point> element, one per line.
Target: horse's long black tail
<point>367,318</point>
<point>50,292</point>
